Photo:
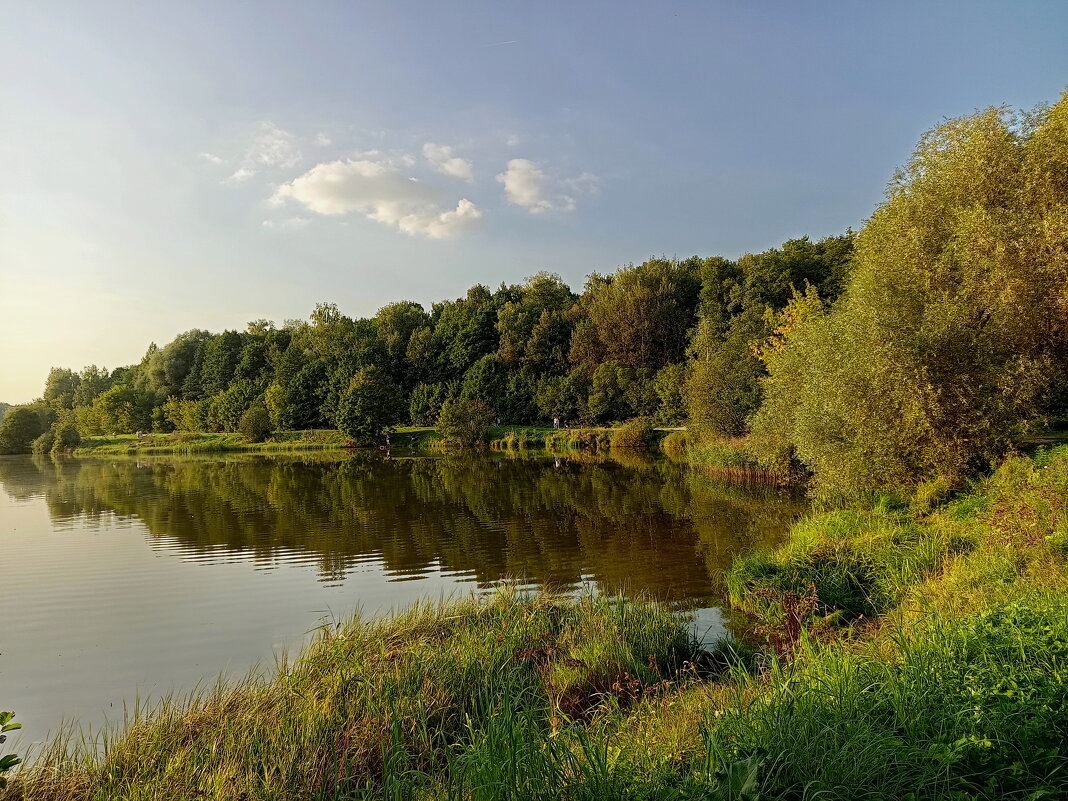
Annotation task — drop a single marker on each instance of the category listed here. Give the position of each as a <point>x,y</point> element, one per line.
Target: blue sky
<point>202,164</point>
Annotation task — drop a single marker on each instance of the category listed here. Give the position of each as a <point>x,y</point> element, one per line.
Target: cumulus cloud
<point>211,157</point>
<point>379,191</point>
<point>527,185</point>
<point>442,160</point>
<point>323,140</point>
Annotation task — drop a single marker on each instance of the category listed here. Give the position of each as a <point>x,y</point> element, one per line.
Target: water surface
<point>123,578</point>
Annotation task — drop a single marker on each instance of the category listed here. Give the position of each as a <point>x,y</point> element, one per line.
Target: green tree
<point>669,386</point>
<point>424,404</point>
<point>60,387</point>
<point>229,406</point>
<point>487,380</point>
<point>122,409</point>
<point>953,331</point>
<point>563,397</point>
<point>639,316</point>
<point>19,428</point>
<point>92,380</point>
<point>608,392</point>
<point>724,387</point>
<point>370,406</point>
<point>465,422</point>
<point>65,438</point>
<point>395,324</point>
<point>221,354</point>
<point>164,371</point>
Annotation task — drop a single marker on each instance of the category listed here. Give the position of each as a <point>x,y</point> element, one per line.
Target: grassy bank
<point>914,648</point>
<point>183,442</point>
<point>510,438</point>
<point>726,457</point>
<point>431,701</point>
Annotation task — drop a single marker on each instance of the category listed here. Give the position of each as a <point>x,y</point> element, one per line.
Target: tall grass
<point>367,703</point>
<point>972,707</point>
<point>185,443</point>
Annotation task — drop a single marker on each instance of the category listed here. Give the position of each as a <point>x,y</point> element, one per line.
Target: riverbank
<point>501,437</point>
<point>188,442</point>
<point>915,647</point>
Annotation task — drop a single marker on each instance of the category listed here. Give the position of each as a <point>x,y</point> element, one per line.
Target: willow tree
<point>952,335</point>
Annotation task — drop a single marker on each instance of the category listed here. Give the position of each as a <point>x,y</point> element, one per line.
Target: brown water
<point>125,579</point>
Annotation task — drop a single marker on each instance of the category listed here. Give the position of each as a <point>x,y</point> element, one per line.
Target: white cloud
<point>291,223</point>
<point>524,185</point>
<point>211,157</point>
<point>527,185</point>
<point>379,191</point>
<point>322,139</point>
<point>440,157</point>
<point>240,174</point>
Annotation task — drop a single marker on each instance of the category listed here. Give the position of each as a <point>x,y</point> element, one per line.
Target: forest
<point>925,344</point>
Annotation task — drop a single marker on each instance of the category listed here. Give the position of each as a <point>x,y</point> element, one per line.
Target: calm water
<point>124,579</point>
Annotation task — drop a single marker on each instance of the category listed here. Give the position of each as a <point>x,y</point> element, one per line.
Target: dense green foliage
<point>531,353</point>
<point>952,334</point>
<point>465,422</point>
<point>636,433</point>
<point>256,423</point>
<point>20,427</point>
<point>369,407</point>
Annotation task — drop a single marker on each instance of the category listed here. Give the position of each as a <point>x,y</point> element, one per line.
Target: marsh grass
<point>369,704</point>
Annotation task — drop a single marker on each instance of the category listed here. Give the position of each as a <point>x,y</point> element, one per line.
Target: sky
<point>179,165</point>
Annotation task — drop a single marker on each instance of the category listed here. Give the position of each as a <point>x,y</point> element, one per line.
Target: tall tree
<point>953,330</point>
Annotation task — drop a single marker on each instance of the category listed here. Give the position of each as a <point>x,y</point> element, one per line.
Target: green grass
<point>409,700</point>
<point>181,442</point>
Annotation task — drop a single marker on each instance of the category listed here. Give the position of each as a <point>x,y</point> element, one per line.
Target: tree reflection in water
<point>629,525</point>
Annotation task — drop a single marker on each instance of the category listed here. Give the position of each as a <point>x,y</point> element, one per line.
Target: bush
<point>43,443</point>
<point>636,433</point>
<point>675,445</point>
<point>464,422</point>
<point>255,423</point>
<point>19,429</point>
<point>67,438</point>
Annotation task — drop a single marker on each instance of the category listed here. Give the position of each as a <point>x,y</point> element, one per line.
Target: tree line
<point>531,352</point>
<point>922,345</point>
